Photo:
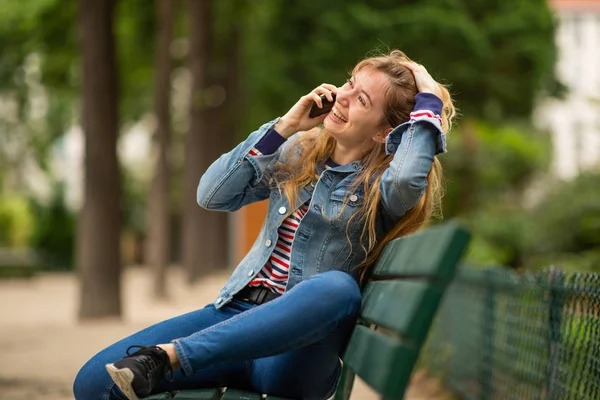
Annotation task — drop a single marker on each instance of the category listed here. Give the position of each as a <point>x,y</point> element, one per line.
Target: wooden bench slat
<point>198,394</point>
<point>433,252</point>
<point>407,307</point>
<point>233,394</point>
<point>160,396</point>
<point>383,362</point>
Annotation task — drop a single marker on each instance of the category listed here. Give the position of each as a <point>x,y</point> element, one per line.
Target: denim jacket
<point>238,178</point>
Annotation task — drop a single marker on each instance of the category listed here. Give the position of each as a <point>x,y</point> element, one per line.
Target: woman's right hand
<point>297,119</point>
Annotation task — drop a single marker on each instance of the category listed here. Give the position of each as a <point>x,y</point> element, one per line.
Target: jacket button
<point>251,272</point>
<point>219,300</point>
<point>282,210</point>
<point>268,243</point>
<point>353,197</point>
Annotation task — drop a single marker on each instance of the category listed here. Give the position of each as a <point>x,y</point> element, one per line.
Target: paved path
<point>42,346</point>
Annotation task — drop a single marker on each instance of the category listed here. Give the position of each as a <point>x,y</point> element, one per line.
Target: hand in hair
<point>297,119</point>
<point>425,83</point>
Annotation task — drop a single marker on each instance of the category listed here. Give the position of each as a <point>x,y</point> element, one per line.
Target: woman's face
<point>358,109</point>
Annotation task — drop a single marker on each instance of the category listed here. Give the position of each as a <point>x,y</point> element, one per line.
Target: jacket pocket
<point>343,207</point>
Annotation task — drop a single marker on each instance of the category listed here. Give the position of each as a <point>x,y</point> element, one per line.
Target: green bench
<point>399,304</point>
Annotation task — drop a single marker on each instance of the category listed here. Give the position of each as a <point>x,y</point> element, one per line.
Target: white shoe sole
<point>123,377</point>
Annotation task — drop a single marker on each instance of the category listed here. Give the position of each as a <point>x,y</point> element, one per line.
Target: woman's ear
<point>382,134</point>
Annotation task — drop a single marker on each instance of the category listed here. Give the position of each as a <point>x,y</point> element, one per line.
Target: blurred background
<point>111,110</point>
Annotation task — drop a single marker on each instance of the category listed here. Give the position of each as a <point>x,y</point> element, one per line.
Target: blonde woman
<point>340,186</point>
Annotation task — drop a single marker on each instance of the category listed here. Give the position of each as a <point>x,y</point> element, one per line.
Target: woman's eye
<point>363,102</point>
<point>349,82</point>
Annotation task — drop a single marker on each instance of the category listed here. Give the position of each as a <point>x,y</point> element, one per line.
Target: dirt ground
<point>42,346</point>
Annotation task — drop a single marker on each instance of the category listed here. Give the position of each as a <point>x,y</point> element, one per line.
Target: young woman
<point>340,186</point>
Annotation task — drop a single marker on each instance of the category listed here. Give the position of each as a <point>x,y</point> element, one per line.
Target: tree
<point>99,226</point>
<point>193,231</point>
<point>221,110</point>
<point>159,216</point>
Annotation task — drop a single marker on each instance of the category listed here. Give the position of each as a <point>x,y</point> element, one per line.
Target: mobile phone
<point>315,111</point>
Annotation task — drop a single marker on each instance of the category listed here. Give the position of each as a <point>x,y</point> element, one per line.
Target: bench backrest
<point>399,304</point>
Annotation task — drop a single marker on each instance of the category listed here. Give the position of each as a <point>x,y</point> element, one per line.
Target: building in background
<point>574,122</point>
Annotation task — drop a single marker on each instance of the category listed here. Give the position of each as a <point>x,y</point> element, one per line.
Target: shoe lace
<point>155,357</point>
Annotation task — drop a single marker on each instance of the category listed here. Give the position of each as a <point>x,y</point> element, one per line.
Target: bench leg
<point>345,385</point>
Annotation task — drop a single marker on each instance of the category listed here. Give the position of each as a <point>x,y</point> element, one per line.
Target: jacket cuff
<point>268,144</point>
<point>428,108</point>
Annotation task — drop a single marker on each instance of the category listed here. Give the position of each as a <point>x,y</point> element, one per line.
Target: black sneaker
<point>138,373</point>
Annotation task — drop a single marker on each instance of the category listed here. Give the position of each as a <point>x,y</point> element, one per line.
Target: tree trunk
<point>99,226</point>
<point>158,244</point>
<point>194,232</point>
<point>223,121</point>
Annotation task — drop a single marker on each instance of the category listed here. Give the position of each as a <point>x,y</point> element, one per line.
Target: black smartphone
<point>315,111</point>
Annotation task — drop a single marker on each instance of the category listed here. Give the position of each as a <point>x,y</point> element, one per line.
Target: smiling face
<point>355,119</point>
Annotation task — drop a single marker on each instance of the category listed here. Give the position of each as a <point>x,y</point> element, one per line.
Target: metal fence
<point>504,335</point>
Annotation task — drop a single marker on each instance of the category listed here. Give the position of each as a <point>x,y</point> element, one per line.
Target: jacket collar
<point>354,166</point>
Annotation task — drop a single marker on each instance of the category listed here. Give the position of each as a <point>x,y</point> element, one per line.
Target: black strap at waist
<point>256,294</point>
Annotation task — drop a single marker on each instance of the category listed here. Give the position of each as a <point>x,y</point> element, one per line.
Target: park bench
<point>17,262</point>
<point>399,304</point>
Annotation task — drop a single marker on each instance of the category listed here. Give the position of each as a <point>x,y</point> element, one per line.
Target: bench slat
<point>160,396</point>
<point>383,362</point>
<point>406,307</point>
<point>198,394</point>
<point>233,394</point>
<point>433,252</point>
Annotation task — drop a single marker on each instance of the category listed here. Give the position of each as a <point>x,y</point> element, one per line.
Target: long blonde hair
<point>316,146</point>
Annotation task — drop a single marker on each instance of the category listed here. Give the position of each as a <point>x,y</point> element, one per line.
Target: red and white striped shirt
<point>275,272</point>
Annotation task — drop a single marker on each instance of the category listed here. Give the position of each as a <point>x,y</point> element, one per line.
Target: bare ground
<point>42,346</point>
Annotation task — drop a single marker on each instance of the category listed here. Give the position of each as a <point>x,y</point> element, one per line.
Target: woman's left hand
<point>425,83</point>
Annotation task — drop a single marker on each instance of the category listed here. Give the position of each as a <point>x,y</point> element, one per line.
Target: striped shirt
<point>274,274</point>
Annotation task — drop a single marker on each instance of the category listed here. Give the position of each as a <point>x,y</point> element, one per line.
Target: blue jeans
<point>288,347</point>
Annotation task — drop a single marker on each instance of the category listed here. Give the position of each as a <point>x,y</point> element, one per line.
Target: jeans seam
<point>108,391</point>
<point>178,344</point>
<point>187,366</point>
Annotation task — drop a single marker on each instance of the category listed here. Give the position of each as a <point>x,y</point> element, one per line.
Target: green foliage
<point>563,229</point>
<point>135,194</point>
<point>569,216</point>
<point>567,225</point>
<point>502,236</point>
<point>497,55</point>
<point>16,221</point>
<point>493,167</point>
<point>38,51</point>
<point>135,28</point>
<point>509,157</point>
<point>54,233</point>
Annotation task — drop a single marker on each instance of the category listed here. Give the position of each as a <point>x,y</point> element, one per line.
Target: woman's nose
<point>342,97</point>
